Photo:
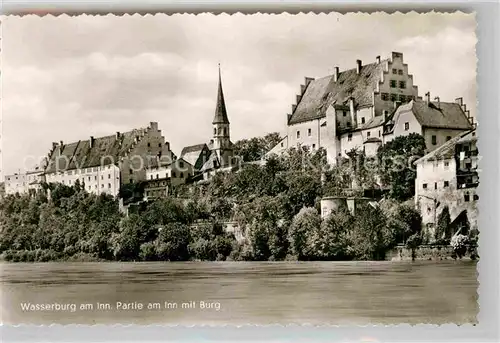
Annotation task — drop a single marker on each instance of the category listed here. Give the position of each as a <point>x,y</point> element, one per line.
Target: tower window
<point>434,140</point>
<point>309,132</point>
<point>298,134</point>
<point>215,131</point>
<point>225,132</point>
<point>407,126</point>
<point>174,174</point>
<point>182,175</point>
<point>362,120</point>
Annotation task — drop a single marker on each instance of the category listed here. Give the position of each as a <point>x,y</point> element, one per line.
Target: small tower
<point>222,145</point>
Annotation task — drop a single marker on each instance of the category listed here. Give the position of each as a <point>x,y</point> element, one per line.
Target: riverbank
<point>428,252</point>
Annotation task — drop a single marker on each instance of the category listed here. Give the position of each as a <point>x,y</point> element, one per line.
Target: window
<point>475,197</point>
<point>446,184</point>
<point>402,98</point>
<point>394,97</point>
<point>282,144</point>
<point>314,146</point>
<point>151,177</point>
<point>394,71</point>
<point>424,186</point>
<point>348,124</point>
<point>159,145</point>
<point>219,130</point>
<point>109,185</point>
<point>393,83</point>
<point>466,197</point>
<point>385,96</point>
<point>90,188</point>
<point>173,174</point>
<point>182,175</point>
<point>102,185</point>
<point>95,187</point>
<point>435,185</point>
<point>402,84</point>
<point>181,164</point>
<point>434,140</point>
<point>468,165</point>
<point>368,134</point>
<point>407,126</point>
<point>149,145</point>
<point>400,71</point>
<point>69,182</point>
<point>362,120</point>
<point>349,137</point>
<point>309,132</point>
<point>448,138</point>
<point>95,178</point>
<point>224,131</point>
<point>129,181</point>
<point>102,177</point>
<point>109,176</point>
<point>157,176</point>
<point>379,133</point>
<point>131,171</point>
<point>298,134</point>
<point>89,178</point>
<point>215,131</point>
<point>446,165</point>
<point>344,113</point>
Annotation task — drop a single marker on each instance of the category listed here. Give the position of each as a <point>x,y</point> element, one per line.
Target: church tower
<point>222,145</point>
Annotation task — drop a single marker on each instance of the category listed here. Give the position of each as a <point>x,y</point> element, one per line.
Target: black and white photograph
<point>239,169</point>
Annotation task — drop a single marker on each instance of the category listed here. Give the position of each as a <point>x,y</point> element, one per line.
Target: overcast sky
<point>69,78</point>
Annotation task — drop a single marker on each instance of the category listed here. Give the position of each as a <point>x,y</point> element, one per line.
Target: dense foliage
<point>276,204</point>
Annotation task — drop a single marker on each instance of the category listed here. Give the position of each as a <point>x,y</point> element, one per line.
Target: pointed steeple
<point>220,108</point>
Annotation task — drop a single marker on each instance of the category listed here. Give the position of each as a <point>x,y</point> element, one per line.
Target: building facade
<point>362,108</point>
<point>104,164</point>
<point>448,177</point>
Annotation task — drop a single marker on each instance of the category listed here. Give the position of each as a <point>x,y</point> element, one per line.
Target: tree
<point>396,164</point>
<point>254,149</point>
<point>306,221</point>
<point>443,223</point>
<point>331,240</point>
<point>173,241</point>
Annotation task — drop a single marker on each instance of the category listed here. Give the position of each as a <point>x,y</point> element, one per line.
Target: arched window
<point>215,131</point>
<point>219,131</point>
<point>225,132</point>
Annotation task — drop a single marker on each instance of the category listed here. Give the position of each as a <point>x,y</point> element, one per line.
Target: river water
<point>239,293</point>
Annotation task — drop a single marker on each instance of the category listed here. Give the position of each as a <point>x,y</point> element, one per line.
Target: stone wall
<point>424,252</point>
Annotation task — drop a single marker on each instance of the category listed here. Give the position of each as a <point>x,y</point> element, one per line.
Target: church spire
<point>220,108</point>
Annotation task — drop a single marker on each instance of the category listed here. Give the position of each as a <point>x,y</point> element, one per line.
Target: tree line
<point>276,205</point>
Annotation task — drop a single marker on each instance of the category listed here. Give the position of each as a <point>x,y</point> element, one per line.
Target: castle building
<point>105,164</point>
<point>23,183</point>
<point>362,108</point>
<point>161,176</point>
<point>448,177</point>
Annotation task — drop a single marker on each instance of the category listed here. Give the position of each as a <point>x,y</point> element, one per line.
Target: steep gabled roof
<point>194,154</point>
<point>81,155</point>
<point>447,150</point>
<point>447,115</point>
<point>211,163</point>
<point>323,92</point>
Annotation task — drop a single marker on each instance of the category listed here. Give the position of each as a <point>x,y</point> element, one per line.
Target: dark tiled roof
<point>194,155</point>
<point>447,150</point>
<point>447,116</point>
<point>81,155</point>
<point>212,163</point>
<point>323,92</point>
<point>220,108</point>
<point>193,148</point>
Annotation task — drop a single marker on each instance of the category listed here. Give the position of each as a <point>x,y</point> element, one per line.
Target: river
<point>239,293</point>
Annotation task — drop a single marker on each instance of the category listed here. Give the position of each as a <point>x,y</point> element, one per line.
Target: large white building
<point>364,107</point>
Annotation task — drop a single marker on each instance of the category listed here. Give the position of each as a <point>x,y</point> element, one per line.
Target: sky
<point>69,78</point>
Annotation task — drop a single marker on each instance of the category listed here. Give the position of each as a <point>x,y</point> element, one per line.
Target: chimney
<point>438,102</point>
<point>308,80</point>
<point>117,135</point>
<point>385,113</point>
<point>428,98</point>
<point>459,101</point>
<point>92,141</point>
<point>377,59</point>
<point>358,66</point>
<point>336,74</point>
